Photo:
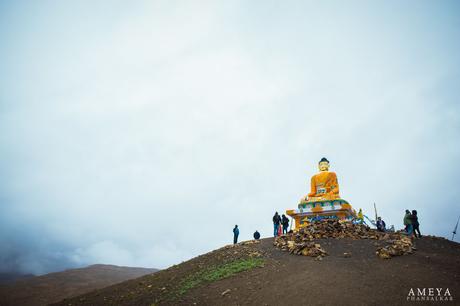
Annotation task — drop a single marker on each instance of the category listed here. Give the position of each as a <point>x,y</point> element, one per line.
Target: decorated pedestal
<point>311,211</point>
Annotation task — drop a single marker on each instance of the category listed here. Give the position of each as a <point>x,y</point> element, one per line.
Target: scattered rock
<point>255,254</point>
<point>305,248</point>
<point>398,247</point>
<point>250,242</point>
<point>319,258</point>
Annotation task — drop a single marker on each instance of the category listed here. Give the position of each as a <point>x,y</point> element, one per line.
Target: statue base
<point>323,209</point>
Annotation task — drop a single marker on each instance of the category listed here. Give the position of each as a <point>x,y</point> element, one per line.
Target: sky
<point>139,133</point>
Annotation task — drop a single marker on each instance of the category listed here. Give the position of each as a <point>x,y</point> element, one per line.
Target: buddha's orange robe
<point>324,186</point>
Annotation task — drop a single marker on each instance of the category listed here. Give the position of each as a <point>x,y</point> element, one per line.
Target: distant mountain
<point>53,287</point>
<point>7,278</point>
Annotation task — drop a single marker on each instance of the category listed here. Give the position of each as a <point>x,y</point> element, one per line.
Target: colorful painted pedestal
<point>317,210</point>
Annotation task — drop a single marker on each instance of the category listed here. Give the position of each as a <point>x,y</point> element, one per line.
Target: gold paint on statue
<point>324,185</point>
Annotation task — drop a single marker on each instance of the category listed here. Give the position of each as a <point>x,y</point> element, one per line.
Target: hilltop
<point>351,274</point>
<point>53,287</point>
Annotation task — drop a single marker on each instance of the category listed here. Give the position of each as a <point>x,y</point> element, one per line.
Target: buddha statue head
<point>323,164</point>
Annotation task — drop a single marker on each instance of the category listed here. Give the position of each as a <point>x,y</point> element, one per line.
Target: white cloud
<point>141,137</point>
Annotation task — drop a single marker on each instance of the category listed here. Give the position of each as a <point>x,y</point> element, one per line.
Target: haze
<point>139,133</point>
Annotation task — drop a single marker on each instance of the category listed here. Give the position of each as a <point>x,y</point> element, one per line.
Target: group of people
<point>280,225</point>
<point>411,223</point>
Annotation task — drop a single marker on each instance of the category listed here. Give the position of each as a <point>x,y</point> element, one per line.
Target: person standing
<point>285,222</point>
<point>408,222</point>
<point>236,232</point>
<point>360,216</point>
<point>380,225</point>
<point>276,224</point>
<point>415,224</point>
<point>256,235</point>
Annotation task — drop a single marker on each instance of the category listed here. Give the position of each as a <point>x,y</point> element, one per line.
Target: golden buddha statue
<point>324,185</point>
<point>323,201</point>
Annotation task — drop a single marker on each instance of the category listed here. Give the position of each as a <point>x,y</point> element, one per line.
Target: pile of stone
<point>302,242</point>
<point>398,247</point>
<point>333,228</point>
<point>299,246</point>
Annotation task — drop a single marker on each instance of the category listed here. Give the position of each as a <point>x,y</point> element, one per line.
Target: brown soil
<point>357,279</point>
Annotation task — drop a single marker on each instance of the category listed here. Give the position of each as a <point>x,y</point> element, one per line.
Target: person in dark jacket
<point>276,224</point>
<point>285,222</point>
<point>256,235</point>
<point>415,224</point>
<point>236,232</point>
<point>380,224</point>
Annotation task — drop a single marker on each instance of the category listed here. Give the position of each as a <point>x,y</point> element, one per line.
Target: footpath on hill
<point>351,271</point>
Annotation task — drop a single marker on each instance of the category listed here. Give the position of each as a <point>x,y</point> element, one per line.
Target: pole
<point>375,209</point>
<point>455,229</point>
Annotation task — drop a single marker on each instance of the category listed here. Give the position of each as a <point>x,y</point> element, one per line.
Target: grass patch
<point>218,272</point>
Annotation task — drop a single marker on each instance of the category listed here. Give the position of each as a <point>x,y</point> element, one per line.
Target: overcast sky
<point>139,133</point>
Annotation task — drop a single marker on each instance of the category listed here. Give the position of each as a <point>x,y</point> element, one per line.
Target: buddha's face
<point>323,166</point>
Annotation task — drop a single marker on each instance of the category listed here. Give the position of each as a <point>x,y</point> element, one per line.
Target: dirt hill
<point>260,274</point>
<point>11,277</point>
<point>53,287</point>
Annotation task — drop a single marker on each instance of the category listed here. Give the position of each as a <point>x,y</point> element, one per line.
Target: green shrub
<point>218,272</point>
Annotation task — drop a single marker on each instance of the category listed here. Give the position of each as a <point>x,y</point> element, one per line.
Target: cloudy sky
<point>139,133</point>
